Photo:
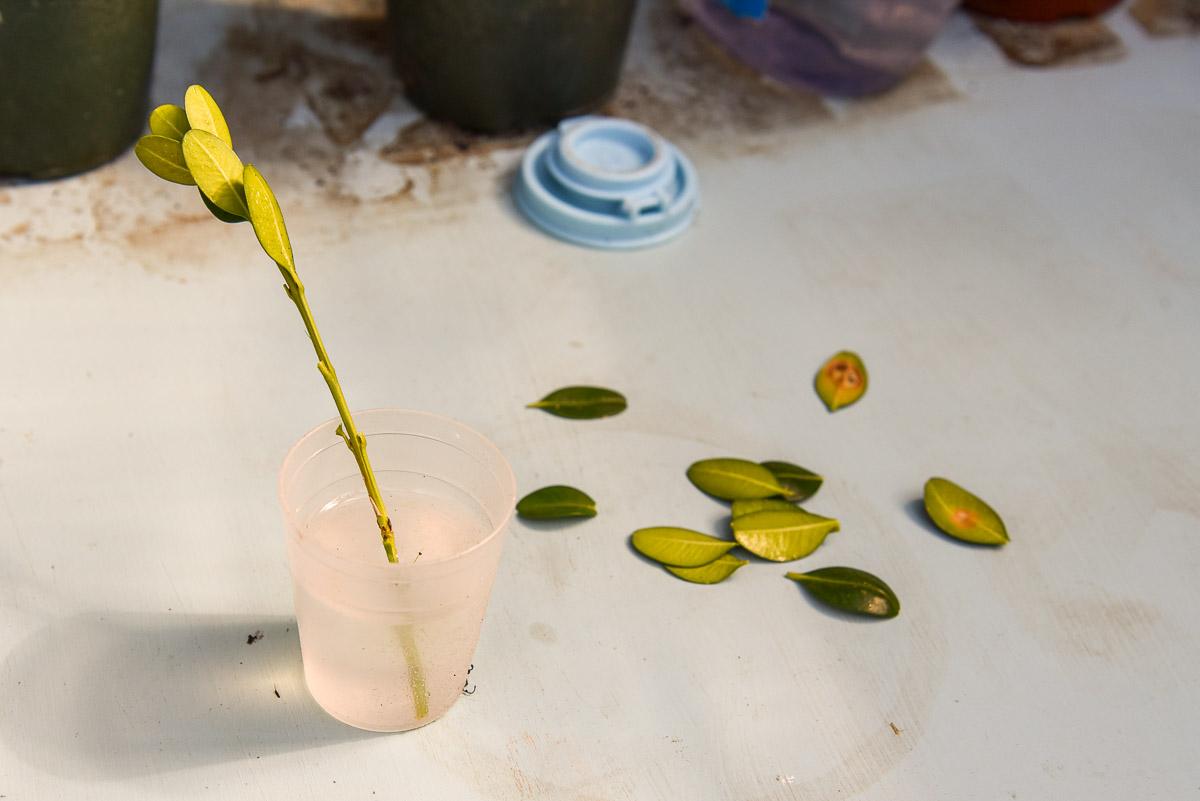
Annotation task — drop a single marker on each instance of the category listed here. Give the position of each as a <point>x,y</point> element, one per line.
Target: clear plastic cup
<point>386,647</point>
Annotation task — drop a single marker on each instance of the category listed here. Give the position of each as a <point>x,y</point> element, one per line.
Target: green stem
<point>357,444</point>
<point>355,441</point>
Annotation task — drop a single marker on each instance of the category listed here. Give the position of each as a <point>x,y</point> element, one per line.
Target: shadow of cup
<point>127,695</point>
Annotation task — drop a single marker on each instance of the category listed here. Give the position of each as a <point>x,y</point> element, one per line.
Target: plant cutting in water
<point>192,145</point>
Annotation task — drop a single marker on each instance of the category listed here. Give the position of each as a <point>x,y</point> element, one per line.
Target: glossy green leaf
<point>714,572</point>
<point>782,536</point>
<point>679,547</point>
<point>267,219</point>
<point>164,158</point>
<point>963,515</point>
<point>850,590</point>
<point>800,483</point>
<point>549,503</point>
<point>220,213</point>
<point>170,121</point>
<point>581,403</point>
<point>733,479</point>
<point>217,170</point>
<point>842,380</point>
<point>204,114</point>
<point>749,506</point>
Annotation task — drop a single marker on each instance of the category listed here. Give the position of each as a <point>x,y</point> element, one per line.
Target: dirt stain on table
<point>1054,44</point>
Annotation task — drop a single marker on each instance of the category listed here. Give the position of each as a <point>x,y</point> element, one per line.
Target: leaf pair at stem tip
<point>192,145</point>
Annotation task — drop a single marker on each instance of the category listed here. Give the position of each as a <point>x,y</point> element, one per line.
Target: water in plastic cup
<point>386,646</point>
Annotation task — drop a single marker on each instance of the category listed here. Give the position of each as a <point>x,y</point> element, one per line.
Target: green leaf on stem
<point>170,121</point>
<point>220,213</point>
<point>800,483</point>
<point>734,479</point>
<point>850,590</point>
<point>557,501</point>
<point>164,158</point>
<point>782,536</point>
<point>217,171</point>
<point>679,547</point>
<point>581,403</point>
<point>842,380</point>
<point>963,515</point>
<point>204,114</point>
<point>267,219</point>
<point>714,572</point>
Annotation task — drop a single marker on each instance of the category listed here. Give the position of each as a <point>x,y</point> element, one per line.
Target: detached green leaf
<point>714,572</point>
<point>267,219</point>
<point>963,515</point>
<point>782,536</point>
<point>850,590</point>
<point>842,380</point>
<point>170,121</point>
<point>550,503</point>
<point>217,170</point>
<point>800,483</point>
<point>164,158</point>
<point>581,403</point>
<point>749,506</point>
<point>220,213</point>
<point>679,547</point>
<point>204,114</point>
<point>733,479</point>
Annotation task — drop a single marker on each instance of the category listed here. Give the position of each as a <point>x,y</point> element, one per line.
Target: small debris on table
<point>255,637</point>
<point>467,682</point>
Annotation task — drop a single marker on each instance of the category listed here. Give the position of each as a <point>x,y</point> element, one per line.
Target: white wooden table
<point>1014,253</point>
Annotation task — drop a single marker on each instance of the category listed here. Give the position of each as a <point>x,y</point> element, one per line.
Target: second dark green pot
<point>504,65</point>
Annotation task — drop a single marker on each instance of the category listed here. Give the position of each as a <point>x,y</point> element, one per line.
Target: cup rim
<point>390,569</point>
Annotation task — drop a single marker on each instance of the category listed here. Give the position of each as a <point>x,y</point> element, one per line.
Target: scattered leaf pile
<point>766,522</point>
<point>766,519</point>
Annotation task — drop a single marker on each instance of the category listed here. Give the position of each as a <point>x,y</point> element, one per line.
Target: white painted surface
<point>1017,267</point>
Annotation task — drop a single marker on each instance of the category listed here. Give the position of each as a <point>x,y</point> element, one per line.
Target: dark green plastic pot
<point>505,65</point>
<point>73,81</point>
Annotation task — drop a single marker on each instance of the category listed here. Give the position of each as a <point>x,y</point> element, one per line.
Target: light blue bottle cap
<point>607,183</point>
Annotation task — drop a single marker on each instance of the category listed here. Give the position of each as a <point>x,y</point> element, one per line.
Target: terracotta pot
<point>503,65</point>
<point>73,81</point>
<point>1040,10</point>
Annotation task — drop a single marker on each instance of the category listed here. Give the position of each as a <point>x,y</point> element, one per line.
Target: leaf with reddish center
<point>962,514</point>
<point>842,380</point>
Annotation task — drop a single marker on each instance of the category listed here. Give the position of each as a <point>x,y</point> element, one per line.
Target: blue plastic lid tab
<point>607,183</point>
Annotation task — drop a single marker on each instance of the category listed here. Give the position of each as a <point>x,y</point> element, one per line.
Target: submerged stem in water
<point>416,673</point>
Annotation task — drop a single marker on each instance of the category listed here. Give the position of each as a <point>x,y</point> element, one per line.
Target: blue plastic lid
<point>607,183</point>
